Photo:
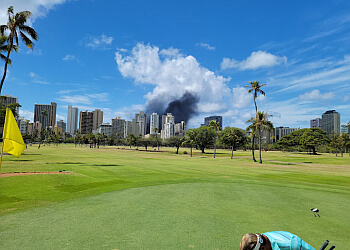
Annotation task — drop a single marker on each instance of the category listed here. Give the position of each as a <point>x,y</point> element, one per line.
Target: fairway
<point>128,199</point>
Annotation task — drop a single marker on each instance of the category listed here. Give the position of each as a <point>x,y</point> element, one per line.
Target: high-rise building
<point>85,122</point>
<point>61,125</point>
<point>168,122</point>
<point>141,119</point>
<point>23,125</point>
<point>72,119</point>
<point>330,121</point>
<point>9,99</point>
<point>118,127</point>
<point>105,128</point>
<point>279,132</point>
<point>179,129</point>
<point>97,118</point>
<point>213,118</point>
<point>344,129</point>
<point>154,124</point>
<point>45,114</point>
<point>315,123</point>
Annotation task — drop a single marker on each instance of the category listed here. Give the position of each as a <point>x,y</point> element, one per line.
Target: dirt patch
<point>31,173</point>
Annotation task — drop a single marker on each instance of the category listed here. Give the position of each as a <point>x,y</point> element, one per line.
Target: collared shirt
<point>281,240</point>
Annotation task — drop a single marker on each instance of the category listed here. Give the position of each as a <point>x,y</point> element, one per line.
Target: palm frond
<point>26,40</point>
<point>30,31</point>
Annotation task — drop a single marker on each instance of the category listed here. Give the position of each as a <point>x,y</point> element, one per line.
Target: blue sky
<point>121,56</point>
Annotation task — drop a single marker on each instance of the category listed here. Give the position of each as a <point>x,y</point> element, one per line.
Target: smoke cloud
<point>184,108</point>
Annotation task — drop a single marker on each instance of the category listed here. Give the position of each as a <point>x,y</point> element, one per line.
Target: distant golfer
<point>315,211</point>
<point>276,240</point>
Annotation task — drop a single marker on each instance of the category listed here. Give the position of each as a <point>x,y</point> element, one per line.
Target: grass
<point>126,199</point>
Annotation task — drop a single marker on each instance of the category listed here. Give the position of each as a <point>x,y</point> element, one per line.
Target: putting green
<point>178,216</point>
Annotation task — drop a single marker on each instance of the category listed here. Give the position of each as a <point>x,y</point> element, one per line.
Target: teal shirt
<point>281,240</point>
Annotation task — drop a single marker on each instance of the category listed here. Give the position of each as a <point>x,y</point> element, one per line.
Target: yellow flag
<point>12,139</point>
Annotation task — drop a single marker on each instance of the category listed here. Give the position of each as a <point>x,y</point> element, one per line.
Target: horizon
<point>125,57</point>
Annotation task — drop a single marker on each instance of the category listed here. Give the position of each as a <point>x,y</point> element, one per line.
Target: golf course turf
<point>117,198</point>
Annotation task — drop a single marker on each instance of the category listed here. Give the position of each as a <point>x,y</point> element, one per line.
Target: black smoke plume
<point>183,108</point>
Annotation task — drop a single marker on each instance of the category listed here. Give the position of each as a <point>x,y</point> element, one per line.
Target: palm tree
<point>262,124</point>
<point>17,28</point>
<point>215,125</point>
<point>4,48</point>
<point>252,128</point>
<point>156,133</point>
<point>255,87</point>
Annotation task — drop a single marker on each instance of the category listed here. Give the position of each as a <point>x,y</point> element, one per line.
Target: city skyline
<point>122,60</point>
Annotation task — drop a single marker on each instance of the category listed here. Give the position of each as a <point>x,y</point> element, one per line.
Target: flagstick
<point>3,133</point>
<point>2,150</point>
<point>2,144</point>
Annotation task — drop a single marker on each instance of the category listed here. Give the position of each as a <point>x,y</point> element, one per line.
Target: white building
<point>279,132</point>
<point>141,120</point>
<point>330,121</point>
<point>105,128</point>
<point>315,123</point>
<point>179,129</point>
<point>72,119</point>
<point>168,126</point>
<point>23,125</point>
<point>154,123</point>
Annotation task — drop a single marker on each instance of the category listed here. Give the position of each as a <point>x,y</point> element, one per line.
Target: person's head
<point>254,242</point>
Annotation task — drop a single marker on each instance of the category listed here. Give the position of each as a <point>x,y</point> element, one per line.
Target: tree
<point>145,142</point>
<point>344,143</point>
<point>4,48</point>
<point>216,126</point>
<point>203,137</point>
<point>190,139</point>
<point>314,137</point>
<point>262,124</point>
<point>334,141</point>
<point>131,140</point>
<point>17,28</point>
<point>175,141</point>
<point>252,129</point>
<point>255,88</point>
<point>12,106</point>
<point>233,137</point>
<point>156,133</point>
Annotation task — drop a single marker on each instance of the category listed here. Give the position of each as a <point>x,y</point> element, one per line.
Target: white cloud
<point>37,79</point>
<point>211,107</point>
<point>98,42</point>
<point>26,114</point>
<point>170,52</point>
<point>324,72</point>
<point>69,58</point>
<point>241,98</point>
<point>316,95</point>
<point>84,99</point>
<point>39,8</point>
<point>206,46</point>
<point>258,59</point>
<point>172,77</point>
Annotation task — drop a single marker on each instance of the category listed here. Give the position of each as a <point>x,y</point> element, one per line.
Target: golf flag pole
<point>12,141</point>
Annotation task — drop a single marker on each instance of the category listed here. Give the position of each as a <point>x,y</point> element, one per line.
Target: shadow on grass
<point>69,163</point>
<point>19,160</point>
<point>105,165</point>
